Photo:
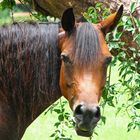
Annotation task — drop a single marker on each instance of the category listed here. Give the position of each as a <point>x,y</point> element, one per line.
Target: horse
<point>40,62</point>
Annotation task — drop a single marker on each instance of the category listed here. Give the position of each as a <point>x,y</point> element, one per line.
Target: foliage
<point>64,121</point>
<point>7,4</point>
<point>11,7</point>
<point>97,13</point>
<point>129,80</point>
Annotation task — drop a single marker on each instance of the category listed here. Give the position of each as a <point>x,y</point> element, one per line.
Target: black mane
<point>29,66</point>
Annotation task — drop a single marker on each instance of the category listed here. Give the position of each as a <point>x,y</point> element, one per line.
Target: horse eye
<point>108,60</point>
<point>65,58</point>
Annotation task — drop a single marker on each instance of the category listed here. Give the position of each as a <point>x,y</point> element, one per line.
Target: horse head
<point>85,57</point>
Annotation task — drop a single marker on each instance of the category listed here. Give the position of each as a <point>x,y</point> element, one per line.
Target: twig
<point>109,77</point>
<point>12,14</point>
<point>29,10</point>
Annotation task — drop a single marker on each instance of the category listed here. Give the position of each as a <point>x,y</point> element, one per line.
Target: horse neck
<point>30,72</point>
<point>37,108</point>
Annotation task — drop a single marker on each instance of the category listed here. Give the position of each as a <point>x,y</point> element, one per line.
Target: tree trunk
<point>56,7</point>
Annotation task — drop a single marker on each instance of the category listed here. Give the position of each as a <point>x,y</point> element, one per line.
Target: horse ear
<point>68,20</point>
<point>111,21</point>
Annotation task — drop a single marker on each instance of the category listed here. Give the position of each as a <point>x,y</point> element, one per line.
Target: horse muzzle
<point>86,119</point>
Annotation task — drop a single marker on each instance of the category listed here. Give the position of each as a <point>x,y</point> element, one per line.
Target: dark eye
<point>65,58</point>
<point>108,60</point>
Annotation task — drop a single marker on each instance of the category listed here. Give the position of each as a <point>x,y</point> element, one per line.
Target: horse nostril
<point>78,110</point>
<point>97,112</point>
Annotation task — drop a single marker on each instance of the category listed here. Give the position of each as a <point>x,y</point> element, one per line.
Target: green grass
<point>115,127</point>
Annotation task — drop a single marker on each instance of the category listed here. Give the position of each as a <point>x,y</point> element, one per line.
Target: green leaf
<point>99,4</point>
<point>57,124</point>
<point>118,110</point>
<point>53,135</point>
<point>137,105</point>
<point>137,38</point>
<point>137,21</point>
<point>57,110</point>
<point>8,4</point>
<point>103,118</point>
<point>61,117</point>
<point>129,127</point>
<point>132,7</point>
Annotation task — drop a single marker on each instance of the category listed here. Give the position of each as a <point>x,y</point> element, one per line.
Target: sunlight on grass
<point>114,129</point>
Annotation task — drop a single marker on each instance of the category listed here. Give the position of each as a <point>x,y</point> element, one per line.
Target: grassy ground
<point>114,129</point>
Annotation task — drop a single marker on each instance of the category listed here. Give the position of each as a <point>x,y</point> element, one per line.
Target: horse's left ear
<point>111,21</point>
<point>68,20</point>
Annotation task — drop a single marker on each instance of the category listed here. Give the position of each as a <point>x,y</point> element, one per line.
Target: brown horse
<point>40,62</point>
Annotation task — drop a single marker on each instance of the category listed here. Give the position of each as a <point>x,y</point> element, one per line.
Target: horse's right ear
<point>111,21</point>
<point>68,20</point>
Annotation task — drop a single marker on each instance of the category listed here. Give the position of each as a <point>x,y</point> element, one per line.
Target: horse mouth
<point>83,132</point>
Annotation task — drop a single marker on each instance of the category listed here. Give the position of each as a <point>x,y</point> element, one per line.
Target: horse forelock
<point>85,53</point>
